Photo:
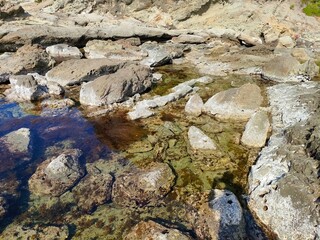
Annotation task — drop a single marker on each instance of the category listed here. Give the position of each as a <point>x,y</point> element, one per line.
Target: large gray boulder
<point>29,58</point>
<point>221,218</point>
<point>116,87</point>
<point>284,181</point>
<point>256,131</point>
<point>143,186</point>
<point>153,231</point>
<point>57,175</point>
<point>286,68</point>
<point>75,71</point>
<point>236,103</point>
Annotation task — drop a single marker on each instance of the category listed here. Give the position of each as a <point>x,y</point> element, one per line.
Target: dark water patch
<point>116,131</point>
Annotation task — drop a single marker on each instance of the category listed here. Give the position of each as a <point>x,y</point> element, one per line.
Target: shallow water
<point>120,143</point>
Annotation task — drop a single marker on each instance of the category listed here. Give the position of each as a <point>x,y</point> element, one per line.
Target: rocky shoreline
<point>220,122</point>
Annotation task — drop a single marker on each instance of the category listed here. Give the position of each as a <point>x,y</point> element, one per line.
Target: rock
<point>3,207</point>
<point>26,59</point>
<point>19,142</point>
<point>301,54</point>
<point>54,88</point>
<point>116,87</point>
<point>58,103</point>
<point>284,181</point>
<point>194,105</point>
<point>14,231</point>
<point>153,231</point>
<point>114,50</point>
<point>94,189</point>
<point>270,35</point>
<point>199,141</point>
<point>222,217</point>
<point>143,186</point>
<point>157,55</point>
<point>81,70</point>
<point>249,40</point>
<point>63,52</point>
<point>256,131</point>
<point>236,103</point>
<point>24,87</point>
<point>9,10</point>
<point>142,108</point>
<point>286,68</point>
<point>286,41</point>
<point>188,38</point>
<point>57,175</point>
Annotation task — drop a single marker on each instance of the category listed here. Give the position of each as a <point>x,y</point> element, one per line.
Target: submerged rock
<point>63,52</point>
<point>153,231</point>
<point>94,189</point>
<point>256,131</point>
<point>194,105</point>
<point>3,207</point>
<point>81,70</point>
<point>116,87</point>
<point>57,175</point>
<point>199,141</point>
<point>143,186</point>
<point>236,103</point>
<point>221,218</point>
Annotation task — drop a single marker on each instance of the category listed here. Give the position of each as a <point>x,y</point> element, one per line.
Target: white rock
<point>256,131</point>
<point>198,140</point>
<point>194,105</point>
<point>286,42</point>
<point>63,52</point>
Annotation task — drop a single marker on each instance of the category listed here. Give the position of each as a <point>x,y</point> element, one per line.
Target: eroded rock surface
<point>284,183</point>
<point>143,186</point>
<point>154,231</point>
<point>55,176</point>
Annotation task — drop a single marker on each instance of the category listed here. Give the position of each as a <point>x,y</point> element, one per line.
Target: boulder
<point>94,189</point>
<point>256,131</point>
<point>159,55</point>
<point>24,87</point>
<point>54,88</point>
<point>286,68</point>
<point>18,142</point>
<point>114,50</point>
<point>194,105</point>
<point>57,175</point>
<point>221,218</point>
<point>199,141</point>
<point>141,187</point>
<point>63,52</point>
<point>27,59</point>
<point>286,42</point>
<point>75,71</point>
<point>153,231</point>
<point>116,87</point>
<point>248,40</point>
<point>236,103</point>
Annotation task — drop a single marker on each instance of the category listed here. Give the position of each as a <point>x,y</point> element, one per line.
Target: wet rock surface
<point>145,186</point>
<point>55,176</point>
<point>152,230</point>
